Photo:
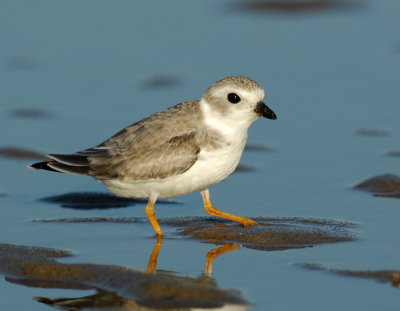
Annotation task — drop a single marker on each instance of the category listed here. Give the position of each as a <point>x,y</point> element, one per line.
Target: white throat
<point>231,126</point>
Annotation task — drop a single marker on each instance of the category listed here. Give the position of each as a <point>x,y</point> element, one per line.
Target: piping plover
<point>187,147</point>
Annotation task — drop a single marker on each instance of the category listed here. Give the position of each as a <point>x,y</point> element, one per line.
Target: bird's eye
<point>233,98</point>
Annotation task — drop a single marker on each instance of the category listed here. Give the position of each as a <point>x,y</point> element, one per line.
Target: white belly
<point>210,168</point>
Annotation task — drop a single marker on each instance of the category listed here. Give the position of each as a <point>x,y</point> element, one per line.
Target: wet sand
<point>387,185</point>
<point>384,276</point>
<point>271,235</point>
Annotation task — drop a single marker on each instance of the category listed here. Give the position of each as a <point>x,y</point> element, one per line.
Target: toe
<point>249,223</point>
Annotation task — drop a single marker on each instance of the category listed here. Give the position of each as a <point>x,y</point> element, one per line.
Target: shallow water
<point>84,70</point>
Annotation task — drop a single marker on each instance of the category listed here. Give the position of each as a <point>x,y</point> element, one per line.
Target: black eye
<point>233,98</point>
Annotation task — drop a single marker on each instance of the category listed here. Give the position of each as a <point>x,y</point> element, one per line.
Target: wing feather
<point>148,161</point>
<point>70,159</point>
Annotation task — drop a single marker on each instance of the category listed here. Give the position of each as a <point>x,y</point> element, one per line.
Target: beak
<point>264,111</point>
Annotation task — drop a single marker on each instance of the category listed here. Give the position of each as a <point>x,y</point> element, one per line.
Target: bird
<point>185,148</point>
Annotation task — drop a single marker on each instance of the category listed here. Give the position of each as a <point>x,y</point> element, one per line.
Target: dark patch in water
<point>116,286</point>
<point>30,113</point>
<point>21,63</point>
<point>385,276</point>
<point>161,82</point>
<point>261,148</point>
<point>387,185</point>
<point>298,6</point>
<point>20,153</point>
<point>272,233</point>
<point>32,252</point>
<point>372,132</point>
<point>393,153</point>
<point>244,169</point>
<point>95,200</point>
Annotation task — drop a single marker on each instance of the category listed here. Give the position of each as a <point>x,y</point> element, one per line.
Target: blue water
<point>326,74</point>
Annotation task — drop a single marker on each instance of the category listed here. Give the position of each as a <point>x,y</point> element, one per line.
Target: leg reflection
<point>152,265</point>
<point>211,255</point>
<point>215,253</point>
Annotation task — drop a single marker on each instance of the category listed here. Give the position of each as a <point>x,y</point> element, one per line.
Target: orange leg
<point>217,252</point>
<point>152,217</point>
<point>152,265</point>
<point>246,222</point>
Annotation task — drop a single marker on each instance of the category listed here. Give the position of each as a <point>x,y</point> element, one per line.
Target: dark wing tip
<point>42,166</point>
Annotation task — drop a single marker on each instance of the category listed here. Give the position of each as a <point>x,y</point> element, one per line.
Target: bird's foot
<point>247,222</point>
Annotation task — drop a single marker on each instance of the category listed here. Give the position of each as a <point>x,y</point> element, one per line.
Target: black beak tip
<point>264,111</point>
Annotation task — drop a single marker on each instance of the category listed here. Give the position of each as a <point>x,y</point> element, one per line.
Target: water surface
<point>84,70</point>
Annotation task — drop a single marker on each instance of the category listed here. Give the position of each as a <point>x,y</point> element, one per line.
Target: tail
<point>64,163</point>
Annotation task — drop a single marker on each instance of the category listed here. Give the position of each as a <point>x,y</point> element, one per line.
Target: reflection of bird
<point>152,290</point>
<point>188,147</point>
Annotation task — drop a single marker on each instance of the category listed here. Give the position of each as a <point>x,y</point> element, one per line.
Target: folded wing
<point>162,145</point>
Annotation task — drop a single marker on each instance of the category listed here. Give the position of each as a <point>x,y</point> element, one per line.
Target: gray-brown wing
<point>147,161</point>
<point>157,159</point>
<point>158,146</point>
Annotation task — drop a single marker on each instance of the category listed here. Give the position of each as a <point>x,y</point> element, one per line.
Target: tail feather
<point>71,169</point>
<point>64,163</point>
<point>70,159</point>
<point>76,163</point>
